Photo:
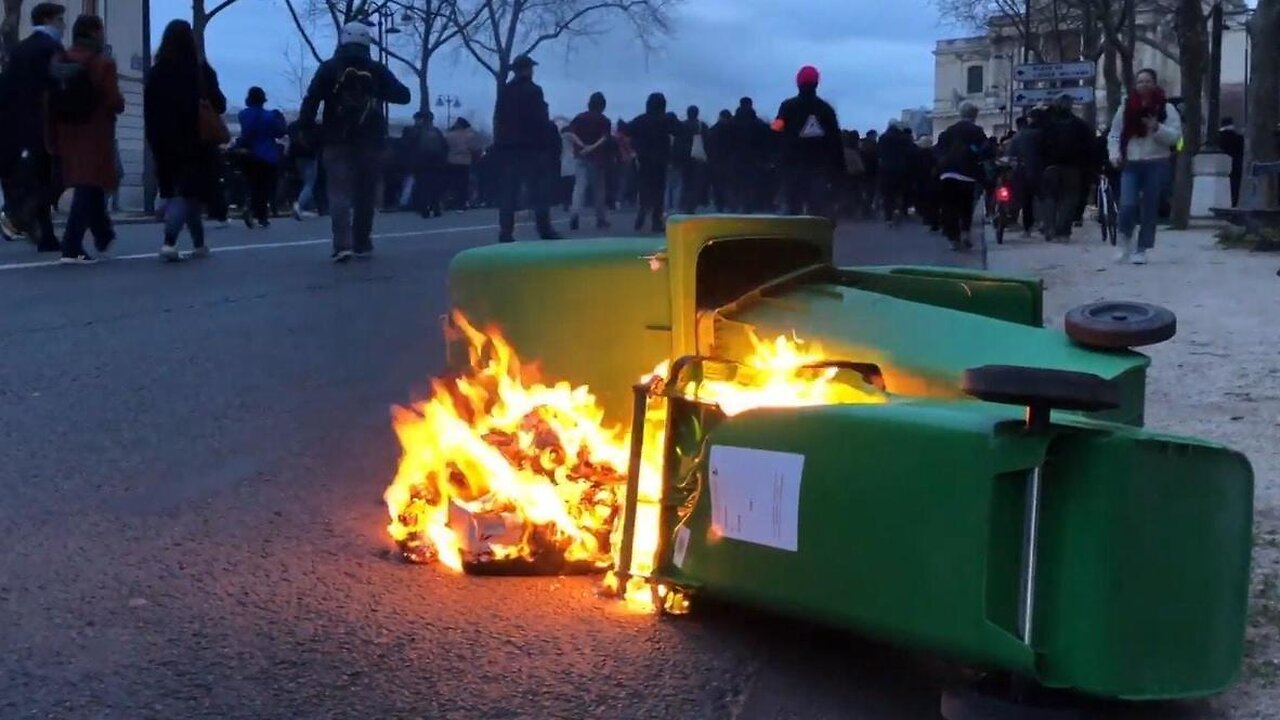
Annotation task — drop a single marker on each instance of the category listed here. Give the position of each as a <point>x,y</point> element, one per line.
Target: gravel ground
<point>1219,378</point>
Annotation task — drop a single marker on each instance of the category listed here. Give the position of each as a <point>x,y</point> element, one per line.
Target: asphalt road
<point>190,514</point>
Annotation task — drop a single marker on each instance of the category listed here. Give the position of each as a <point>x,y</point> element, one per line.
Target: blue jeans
<point>310,168</point>
<point>180,212</point>
<point>1142,183</point>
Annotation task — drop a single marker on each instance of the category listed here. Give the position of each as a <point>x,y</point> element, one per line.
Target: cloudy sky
<point>875,57</point>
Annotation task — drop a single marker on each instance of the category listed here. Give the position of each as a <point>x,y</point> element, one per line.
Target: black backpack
<point>353,97</point>
<point>71,95</point>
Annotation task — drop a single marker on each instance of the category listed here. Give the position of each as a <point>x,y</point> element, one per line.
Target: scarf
<point>1137,107</point>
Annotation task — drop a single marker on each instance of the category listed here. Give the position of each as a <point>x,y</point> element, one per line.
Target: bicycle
<point>1108,210</point>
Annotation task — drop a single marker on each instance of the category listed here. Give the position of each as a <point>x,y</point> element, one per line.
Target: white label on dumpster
<point>682,547</point>
<point>755,495</point>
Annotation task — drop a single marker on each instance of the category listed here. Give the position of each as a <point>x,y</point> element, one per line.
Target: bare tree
<point>9,29</point>
<point>202,15</point>
<point>297,70</point>
<point>1193,50</point>
<point>495,32</point>
<point>1264,89</point>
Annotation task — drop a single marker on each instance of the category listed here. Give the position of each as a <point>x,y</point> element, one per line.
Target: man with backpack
<point>813,155</point>
<point>353,130</point>
<point>1064,147</point>
<point>962,149</point>
<point>25,164</point>
<point>429,160</point>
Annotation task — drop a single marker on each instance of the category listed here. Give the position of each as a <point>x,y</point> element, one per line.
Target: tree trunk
<point>424,92</point>
<point>199,21</point>
<point>1115,88</point>
<point>9,29</point>
<point>1193,49</point>
<point>1264,98</point>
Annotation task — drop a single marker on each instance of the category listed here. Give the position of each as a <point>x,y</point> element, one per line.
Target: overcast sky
<point>875,58</point>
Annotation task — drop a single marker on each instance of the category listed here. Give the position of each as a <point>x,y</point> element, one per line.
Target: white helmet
<point>356,33</point>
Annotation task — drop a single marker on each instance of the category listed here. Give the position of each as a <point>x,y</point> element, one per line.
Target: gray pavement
<point>193,457</point>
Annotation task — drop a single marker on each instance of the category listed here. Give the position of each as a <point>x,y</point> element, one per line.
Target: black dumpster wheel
<point>1041,388</point>
<point>983,701</point>
<point>1120,324</point>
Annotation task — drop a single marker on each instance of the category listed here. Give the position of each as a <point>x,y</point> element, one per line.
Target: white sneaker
<point>299,214</point>
<point>342,256</point>
<point>81,259</point>
<point>201,253</point>
<point>1124,250</point>
<point>1139,258</point>
<point>169,253</point>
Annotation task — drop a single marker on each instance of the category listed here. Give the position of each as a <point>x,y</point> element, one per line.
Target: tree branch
<point>219,8</point>
<point>306,37</point>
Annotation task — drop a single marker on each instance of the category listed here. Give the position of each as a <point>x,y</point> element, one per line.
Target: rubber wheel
<point>1040,387</point>
<point>1115,325</point>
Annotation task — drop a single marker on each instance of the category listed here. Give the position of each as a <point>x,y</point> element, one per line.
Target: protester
<point>1026,149</point>
<point>1064,144</point>
<point>26,168</point>
<point>751,138</point>
<point>430,166</point>
<point>812,153</point>
<point>352,86</point>
<point>465,145</point>
<point>870,151</point>
<point>259,130</point>
<point>1231,142</point>
<point>894,151</point>
<point>588,134</point>
<point>961,150</point>
<point>720,161</point>
<point>82,135</point>
<point>1144,133</point>
<point>854,174</point>
<point>651,137</point>
<point>676,160</point>
<point>305,159</point>
<point>926,192</point>
<point>626,166</point>
<point>180,87</point>
<point>692,147</point>
<point>521,125</point>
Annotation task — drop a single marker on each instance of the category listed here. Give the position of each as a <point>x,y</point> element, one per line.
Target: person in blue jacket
<point>260,128</point>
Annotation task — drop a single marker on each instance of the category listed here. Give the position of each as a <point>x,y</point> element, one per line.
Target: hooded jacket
<point>751,137</point>
<point>520,117</point>
<point>810,132</point>
<point>386,88</point>
<point>651,133</point>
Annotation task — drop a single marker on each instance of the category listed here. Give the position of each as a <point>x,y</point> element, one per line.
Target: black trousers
<point>28,197</point>
<point>893,194</point>
<point>651,181</point>
<point>460,185</point>
<point>523,169</point>
<point>428,187</point>
<point>956,200</point>
<point>692,188</point>
<point>808,192</point>
<point>1061,188</point>
<point>260,176</point>
<point>88,213</point>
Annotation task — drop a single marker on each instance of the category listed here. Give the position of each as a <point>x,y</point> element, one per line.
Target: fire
<point>498,466</point>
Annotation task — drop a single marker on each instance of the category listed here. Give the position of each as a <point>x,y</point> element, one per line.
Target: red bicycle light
<point>1002,194</point>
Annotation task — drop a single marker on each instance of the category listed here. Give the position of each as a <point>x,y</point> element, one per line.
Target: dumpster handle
<point>640,407</point>
<point>1030,548</point>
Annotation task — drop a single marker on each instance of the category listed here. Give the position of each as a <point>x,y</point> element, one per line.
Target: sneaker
<point>81,259</point>
<point>299,214</point>
<point>364,254</point>
<point>104,246</point>
<point>341,256</point>
<point>264,224</point>
<point>248,222</point>
<point>573,222</point>
<point>169,253</point>
<point>1139,258</point>
<point>9,230</point>
<point>1124,250</point>
<point>201,253</point>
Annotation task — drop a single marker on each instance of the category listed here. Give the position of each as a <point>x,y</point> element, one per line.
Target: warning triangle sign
<point>812,128</point>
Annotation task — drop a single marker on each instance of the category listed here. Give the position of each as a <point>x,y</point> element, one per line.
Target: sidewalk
<point>1218,379</point>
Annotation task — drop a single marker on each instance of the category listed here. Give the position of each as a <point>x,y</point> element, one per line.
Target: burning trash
<point>503,473</point>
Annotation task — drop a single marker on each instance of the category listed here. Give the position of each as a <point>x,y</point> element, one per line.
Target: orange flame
<point>498,466</point>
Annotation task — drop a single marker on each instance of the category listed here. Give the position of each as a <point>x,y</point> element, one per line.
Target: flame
<point>497,465</point>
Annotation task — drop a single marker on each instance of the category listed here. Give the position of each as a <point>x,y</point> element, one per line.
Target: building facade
<point>980,70</point>
<point>125,33</point>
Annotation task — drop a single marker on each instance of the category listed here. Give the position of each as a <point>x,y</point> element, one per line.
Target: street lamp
<point>449,103</point>
<point>384,14</point>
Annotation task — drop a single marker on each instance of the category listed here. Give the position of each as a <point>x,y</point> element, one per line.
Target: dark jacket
<point>682,147</point>
<point>751,138</point>
<point>810,133</point>
<point>520,117</point>
<point>651,133</point>
<point>22,92</point>
<point>961,149</point>
<point>185,164</point>
<point>386,88</point>
<point>302,144</point>
<point>720,143</point>
<point>1066,140</point>
<point>87,150</point>
<point>1026,147</point>
<point>894,151</point>
<point>259,130</point>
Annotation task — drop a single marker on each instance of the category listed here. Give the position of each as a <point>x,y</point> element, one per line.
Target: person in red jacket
<point>84,142</point>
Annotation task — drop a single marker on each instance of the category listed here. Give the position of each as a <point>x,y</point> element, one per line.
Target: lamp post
<point>449,103</point>
<point>384,14</point>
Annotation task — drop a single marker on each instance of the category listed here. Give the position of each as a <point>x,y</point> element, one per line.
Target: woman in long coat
<point>86,145</point>
<point>187,168</point>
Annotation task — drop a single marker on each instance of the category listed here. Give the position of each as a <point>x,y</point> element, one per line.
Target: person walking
<point>179,90</point>
<point>693,147</point>
<point>522,138</point>
<point>259,130</point>
<point>303,155</point>
<point>430,166</point>
<point>352,87</point>
<point>812,154</point>
<point>893,151</point>
<point>465,145</point>
<point>651,138</point>
<point>1144,133</point>
<point>26,167</point>
<point>676,161</point>
<point>720,161</point>
<point>588,133</point>
<point>1026,150</point>
<point>1232,144</point>
<point>751,141</point>
<point>1064,147</point>
<point>82,136</point>
<point>962,148</point>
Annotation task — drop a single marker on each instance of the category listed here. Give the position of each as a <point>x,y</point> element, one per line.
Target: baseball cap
<point>523,61</point>
<point>808,75</point>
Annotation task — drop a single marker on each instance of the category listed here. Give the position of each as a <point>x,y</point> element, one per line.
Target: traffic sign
<point>1083,70</point>
<point>1035,96</point>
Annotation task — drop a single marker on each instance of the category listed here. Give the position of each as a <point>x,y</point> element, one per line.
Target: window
<point>974,80</point>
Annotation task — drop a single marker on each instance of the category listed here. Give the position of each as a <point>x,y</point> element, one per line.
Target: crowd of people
<point>61,104</point>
